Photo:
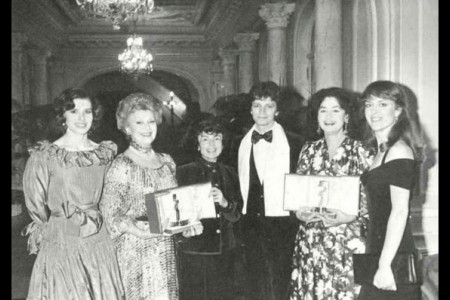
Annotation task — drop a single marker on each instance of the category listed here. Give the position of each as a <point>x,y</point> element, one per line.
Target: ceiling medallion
<point>117,11</point>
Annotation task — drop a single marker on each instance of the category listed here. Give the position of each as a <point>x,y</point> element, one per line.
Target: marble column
<point>328,43</point>
<point>17,67</point>
<point>39,81</point>
<point>217,79</point>
<point>229,70</point>
<point>276,16</point>
<point>246,45</point>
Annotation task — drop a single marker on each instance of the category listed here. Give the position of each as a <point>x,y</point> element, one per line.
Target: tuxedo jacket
<point>295,141</point>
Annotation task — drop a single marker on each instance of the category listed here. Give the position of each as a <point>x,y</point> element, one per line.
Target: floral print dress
<point>322,259</point>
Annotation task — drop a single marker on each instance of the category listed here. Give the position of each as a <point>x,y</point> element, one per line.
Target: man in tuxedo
<point>265,155</point>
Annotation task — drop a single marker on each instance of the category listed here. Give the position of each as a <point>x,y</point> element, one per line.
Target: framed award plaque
<point>322,192</point>
<point>178,209</point>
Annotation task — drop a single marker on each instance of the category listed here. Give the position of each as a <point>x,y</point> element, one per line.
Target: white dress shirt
<point>262,151</point>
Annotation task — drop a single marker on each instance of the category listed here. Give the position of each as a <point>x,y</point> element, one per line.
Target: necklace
<point>140,148</point>
<point>383,147</point>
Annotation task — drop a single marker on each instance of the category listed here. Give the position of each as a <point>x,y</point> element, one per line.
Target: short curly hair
<point>347,101</point>
<point>64,102</point>
<point>135,102</point>
<point>211,126</point>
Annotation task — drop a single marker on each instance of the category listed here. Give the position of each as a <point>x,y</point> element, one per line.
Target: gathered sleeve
<point>115,201</point>
<point>36,179</point>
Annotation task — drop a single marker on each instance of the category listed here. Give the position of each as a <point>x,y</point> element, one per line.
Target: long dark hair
<point>402,129</point>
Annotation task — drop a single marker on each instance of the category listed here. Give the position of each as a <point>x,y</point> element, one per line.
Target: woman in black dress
<point>388,185</point>
<point>209,262</point>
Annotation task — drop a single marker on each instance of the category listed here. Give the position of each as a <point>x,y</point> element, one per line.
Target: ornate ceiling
<point>57,24</point>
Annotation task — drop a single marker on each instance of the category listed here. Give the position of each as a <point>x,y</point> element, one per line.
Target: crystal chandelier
<point>118,11</point>
<point>135,60</point>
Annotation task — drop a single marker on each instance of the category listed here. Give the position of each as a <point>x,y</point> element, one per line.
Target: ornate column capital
<point>246,41</point>
<point>228,56</point>
<point>276,15</point>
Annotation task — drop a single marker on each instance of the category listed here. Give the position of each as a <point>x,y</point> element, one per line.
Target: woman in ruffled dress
<point>146,260</point>
<point>322,259</point>
<point>62,184</point>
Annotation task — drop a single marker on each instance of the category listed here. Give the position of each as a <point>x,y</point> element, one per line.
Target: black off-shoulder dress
<point>377,182</point>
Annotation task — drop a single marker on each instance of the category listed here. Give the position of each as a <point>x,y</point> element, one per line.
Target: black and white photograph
<point>116,101</point>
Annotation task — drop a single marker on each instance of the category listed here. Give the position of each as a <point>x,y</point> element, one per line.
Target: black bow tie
<point>256,136</point>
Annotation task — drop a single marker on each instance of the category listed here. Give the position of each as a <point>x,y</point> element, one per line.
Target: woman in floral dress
<point>322,259</point>
<point>62,183</point>
<point>146,260</point>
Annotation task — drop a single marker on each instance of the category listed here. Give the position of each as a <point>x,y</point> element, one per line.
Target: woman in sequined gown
<point>146,261</point>
<point>62,184</point>
<point>322,259</point>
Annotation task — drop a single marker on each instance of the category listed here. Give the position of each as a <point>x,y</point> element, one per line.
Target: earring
<point>345,127</point>
<point>319,130</point>
<point>64,125</point>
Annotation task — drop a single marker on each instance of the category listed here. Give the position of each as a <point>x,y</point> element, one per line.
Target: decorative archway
<point>83,78</point>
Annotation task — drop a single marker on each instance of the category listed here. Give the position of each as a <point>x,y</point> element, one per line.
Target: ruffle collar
<point>101,155</point>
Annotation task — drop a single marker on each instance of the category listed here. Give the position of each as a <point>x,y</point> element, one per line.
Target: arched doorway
<point>113,86</point>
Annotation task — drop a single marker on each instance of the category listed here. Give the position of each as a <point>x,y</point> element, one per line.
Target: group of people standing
<point>90,228</point>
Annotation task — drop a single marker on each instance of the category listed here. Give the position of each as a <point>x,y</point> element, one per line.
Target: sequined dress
<point>75,256</point>
<point>322,259</point>
<point>147,266</point>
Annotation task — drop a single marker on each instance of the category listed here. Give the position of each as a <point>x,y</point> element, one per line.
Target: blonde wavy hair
<point>135,102</point>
